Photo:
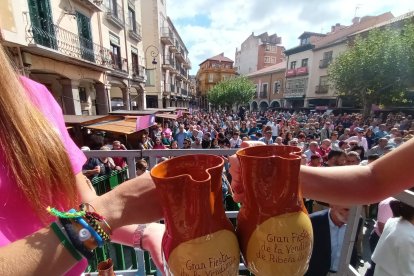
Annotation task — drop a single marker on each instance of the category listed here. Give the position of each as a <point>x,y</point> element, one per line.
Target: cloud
<point>210,27</point>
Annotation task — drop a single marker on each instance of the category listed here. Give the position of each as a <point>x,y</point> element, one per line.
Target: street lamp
<point>153,53</point>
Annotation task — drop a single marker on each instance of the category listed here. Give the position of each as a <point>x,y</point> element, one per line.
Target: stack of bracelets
<point>81,231</point>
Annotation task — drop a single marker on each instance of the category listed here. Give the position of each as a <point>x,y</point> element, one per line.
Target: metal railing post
<point>349,239</point>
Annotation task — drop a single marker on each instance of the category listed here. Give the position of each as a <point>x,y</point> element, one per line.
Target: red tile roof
<point>269,69</point>
<point>219,58</point>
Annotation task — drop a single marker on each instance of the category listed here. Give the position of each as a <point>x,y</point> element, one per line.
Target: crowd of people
<point>326,140</point>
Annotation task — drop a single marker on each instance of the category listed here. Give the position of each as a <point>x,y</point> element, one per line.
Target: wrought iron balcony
<point>187,63</point>
<point>115,15</point>
<point>138,73</point>
<point>323,63</point>
<point>94,5</point>
<point>134,30</point>
<point>67,43</point>
<point>168,63</point>
<point>321,89</point>
<point>183,72</point>
<point>167,36</point>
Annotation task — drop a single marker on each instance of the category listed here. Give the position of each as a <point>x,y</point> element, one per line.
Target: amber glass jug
<point>199,239</point>
<point>273,227</point>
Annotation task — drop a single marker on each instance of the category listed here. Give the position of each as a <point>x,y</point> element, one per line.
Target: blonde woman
<point>40,166</point>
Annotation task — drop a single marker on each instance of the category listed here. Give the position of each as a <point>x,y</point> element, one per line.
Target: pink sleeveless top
<point>17,220</point>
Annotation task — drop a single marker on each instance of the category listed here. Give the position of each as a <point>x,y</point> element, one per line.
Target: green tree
<point>377,68</point>
<point>232,91</point>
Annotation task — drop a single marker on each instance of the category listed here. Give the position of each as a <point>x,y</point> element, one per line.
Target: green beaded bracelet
<point>65,241</point>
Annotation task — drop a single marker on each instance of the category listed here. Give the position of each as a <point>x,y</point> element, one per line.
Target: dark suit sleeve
<point>320,261</point>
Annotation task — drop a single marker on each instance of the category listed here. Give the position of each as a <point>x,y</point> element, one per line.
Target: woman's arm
<point>348,185</point>
<point>38,254</point>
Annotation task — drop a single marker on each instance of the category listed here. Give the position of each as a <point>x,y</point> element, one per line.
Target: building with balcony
<point>258,52</point>
<point>298,60</point>
<point>320,93</point>
<point>269,83</point>
<point>212,71</point>
<point>121,32</point>
<point>167,67</point>
<point>74,49</point>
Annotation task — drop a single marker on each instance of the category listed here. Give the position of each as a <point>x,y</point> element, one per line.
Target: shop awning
<point>82,119</point>
<point>121,127</point>
<point>167,116</point>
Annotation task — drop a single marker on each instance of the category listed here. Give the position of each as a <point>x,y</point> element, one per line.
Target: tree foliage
<point>233,91</point>
<point>377,68</point>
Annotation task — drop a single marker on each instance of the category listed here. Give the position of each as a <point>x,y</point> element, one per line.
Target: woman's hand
<point>236,182</point>
<point>151,241</point>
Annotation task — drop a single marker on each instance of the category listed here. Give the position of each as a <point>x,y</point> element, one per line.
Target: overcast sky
<point>210,27</point>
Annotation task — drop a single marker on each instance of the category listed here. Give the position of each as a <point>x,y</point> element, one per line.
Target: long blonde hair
<point>32,150</point>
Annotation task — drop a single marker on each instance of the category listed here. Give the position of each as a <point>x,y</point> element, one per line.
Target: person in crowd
<point>253,129</point>
<point>384,213</point>
<point>165,141</point>
<point>279,141</point>
<point>119,161</point>
<point>223,142</point>
<point>359,149</point>
<point>343,145</point>
<point>352,158</point>
<point>196,144</point>
<point>334,141</point>
<point>187,143</point>
<point>313,135</point>
<point>370,136</point>
<point>32,242</point>
<point>93,167</point>
<point>141,167</point>
<point>287,137</point>
<point>381,132</point>
<point>274,126</point>
<point>244,131</point>
<point>394,253</point>
<point>326,131</point>
<point>380,148</point>
<point>324,149</point>
<point>345,135</point>
<point>108,162</point>
<point>359,138</point>
<point>294,142</point>
<point>206,141</point>
<point>174,144</point>
<point>329,228</point>
<point>313,150</point>
<point>235,141</point>
<point>315,161</point>
<point>180,136</point>
<point>336,158</point>
<point>167,131</point>
<point>340,129</point>
<point>267,138</point>
<point>144,142</point>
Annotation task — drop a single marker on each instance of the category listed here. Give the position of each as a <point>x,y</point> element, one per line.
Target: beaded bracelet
<point>74,237</point>
<point>95,214</point>
<point>86,226</point>
<point>94,224</point>
<point>65,241</point>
